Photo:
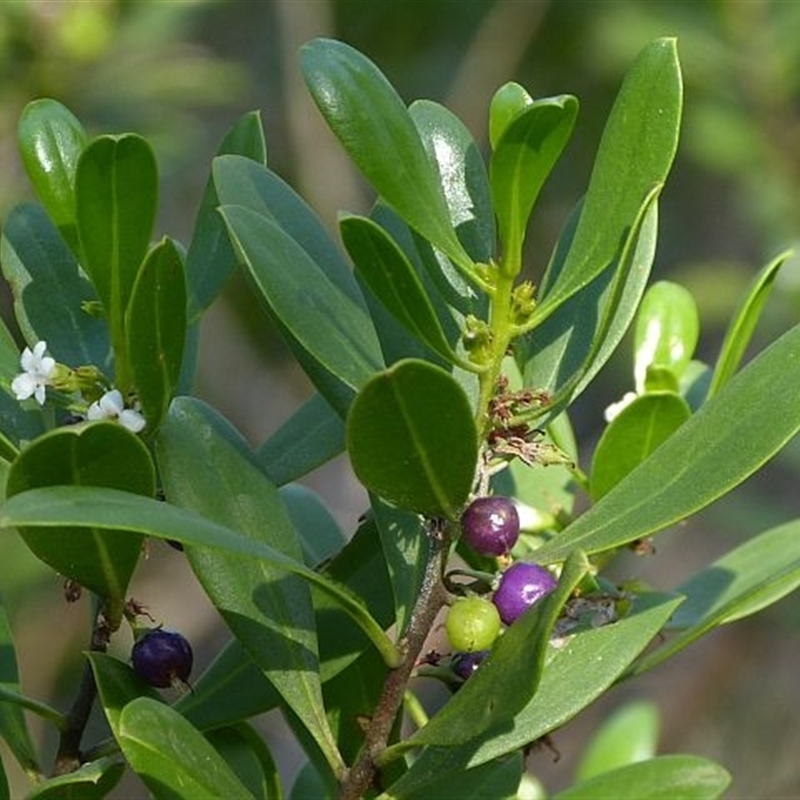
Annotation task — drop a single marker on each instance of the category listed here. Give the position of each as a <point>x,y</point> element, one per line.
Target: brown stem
<point>432,597</point>
<point>68,757</point>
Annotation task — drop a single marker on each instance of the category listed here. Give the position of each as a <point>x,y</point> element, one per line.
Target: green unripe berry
<point>472,624</point>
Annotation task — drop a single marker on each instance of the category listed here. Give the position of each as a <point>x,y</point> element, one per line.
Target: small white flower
<point>111,406</point>
<point>614,409</point>
<point>37,371</point>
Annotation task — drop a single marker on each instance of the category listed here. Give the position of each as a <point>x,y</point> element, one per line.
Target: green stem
<point>36,706</point>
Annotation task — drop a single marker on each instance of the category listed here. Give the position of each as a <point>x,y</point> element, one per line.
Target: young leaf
<point>369,118</point>
<point>204,472</point>
<point>51,140</point>
<point>50,292</point>
<point>117,196</point>
<point>171,756</point>
<point>155,325</point>
<point>743,323</point>
<point>657,494</point>
<point>210,259</point>
<point>394,281</point>
<point>412,439</point>
<point>676,777</point>
<point>508,102</point>
<point>91,781</point>
<point>635,155</point>
<point>523,157</point>
<point>99,454</point>
<point>462,172</point>
<point>633,435</point>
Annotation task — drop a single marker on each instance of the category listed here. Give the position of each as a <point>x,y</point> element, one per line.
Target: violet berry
<point>464,664</point>
<point>521,585</point>
<point>491,525</point>
<point>163,658</point>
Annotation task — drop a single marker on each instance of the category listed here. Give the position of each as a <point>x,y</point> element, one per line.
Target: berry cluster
<point>491,526</point>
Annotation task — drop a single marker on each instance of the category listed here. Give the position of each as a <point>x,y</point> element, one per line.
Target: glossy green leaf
<point>633,435</point>
<point>747,579</point>
<point>99,454</point>
<point>249,758</point>
<point>523,157</point>
<point>50,291</point>
<point>508,679</point>
<point>743,323</point>
<point>412,439</point>
<point>577,672</point>
<point>210,260</point>
<point>240,182</point>
<point>155,325</point>
<point>394,281</point>
<point>667,329</point>
<point>463,176</point>
<point>319,534</point>
<point>662,778</point>
<point>92,781</point>
<point>268,611</point>
<point>668,486</point>
<point>171,756</point>
<point>372,123</point>
<point>13,726</point>
<point>635,155</point>
<point>117,198</point>
<point>324,320</point>
<point>508,102</point>
<point>51,140</point>
<point>311,437</point>
<point>629,735</point>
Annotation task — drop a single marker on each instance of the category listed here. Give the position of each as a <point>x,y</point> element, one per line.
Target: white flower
<point>111,406</point>
<point>37,371</point>
<point>614,409</point>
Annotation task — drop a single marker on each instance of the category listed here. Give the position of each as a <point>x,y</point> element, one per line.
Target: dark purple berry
<point>521,585</point>
<point>491,525</point>
<point>162,658</point>
<point>464,664</point>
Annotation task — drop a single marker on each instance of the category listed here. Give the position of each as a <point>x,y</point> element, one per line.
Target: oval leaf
<point>412,439</point>
<point>508,101</point>
<point>99,454</point>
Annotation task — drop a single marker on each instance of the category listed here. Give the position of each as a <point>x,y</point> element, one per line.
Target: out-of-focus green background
<point>180,72</point>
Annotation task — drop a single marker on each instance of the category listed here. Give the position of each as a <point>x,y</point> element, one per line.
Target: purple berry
<point>491,525</point>
<point>162,658</point>
<point>521,585</point>
<point>464,664</point>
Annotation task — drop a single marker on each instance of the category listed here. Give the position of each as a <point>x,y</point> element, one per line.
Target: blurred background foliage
<point>180,71</point>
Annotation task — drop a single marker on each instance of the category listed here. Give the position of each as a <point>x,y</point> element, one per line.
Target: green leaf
<point>635,155</point>
<point>211,259</point>
<point>50,291</point>
<point>117,198</point>
<point>171,756</point>
<point>747,579</point>
<point>155,325</point>
<point>463,177</point>
<point>324,320</point>
<point>412,439</point>
<point>743,323</point>
<point>53,507</point>
<point>51,140</point>
<point>98,454</point>
<point>372,123</point>
<point>268,611</point>
<point>567,686</point>
<point>662,778</point>
<point>311,437</point>
<point>508,102</point>
<point>394,281</point>
<point>13,727</point>
<point>667,328</point>
<point>92,781</point>
<point>629,735</point>
<point>523,157</point>
<point>249,758</point>
<point>633,435</point>
<point>319,533</point>
<point>668,486</point>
